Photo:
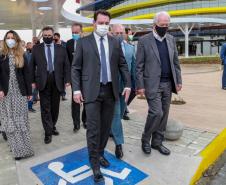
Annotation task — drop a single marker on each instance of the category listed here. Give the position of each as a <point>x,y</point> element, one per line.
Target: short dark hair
<point>77,24</point>
<point>57,34</point>
<point>101,12</point>
<point>47,28</point>
<point>127,30</point>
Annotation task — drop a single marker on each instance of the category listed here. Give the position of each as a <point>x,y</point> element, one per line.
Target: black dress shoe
<point>162,149</point>
<point>104,162</point>
<point>64,98</point>
<point>18,158</point>
<point>118,151</point>
<point>76,128</point>
<point>4,136</point>
<point>55,133</point>
<point>146,147</point>
<point>98,177</point>
<point>48,139</point>
<point>32,110</point>
<point>84,125</point>
<point>126,117</point>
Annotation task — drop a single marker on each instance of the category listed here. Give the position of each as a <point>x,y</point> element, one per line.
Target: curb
<point>210,154</point>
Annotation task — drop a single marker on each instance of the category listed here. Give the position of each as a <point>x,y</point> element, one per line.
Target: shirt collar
<point>158,37</point>
<point>97,37</point>
<point>51,45</point>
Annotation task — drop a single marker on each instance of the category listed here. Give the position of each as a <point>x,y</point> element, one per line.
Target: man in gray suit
<point>158,74</point>
<point>95,68</point>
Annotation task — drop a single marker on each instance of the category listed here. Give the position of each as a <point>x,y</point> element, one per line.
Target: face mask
<point>120,38</point>
<point>75,36</point>
<point>11,43</point>
<point>130,37</point>
<point>102,30</point>
<point>48,40</point>
<point>161,30</point>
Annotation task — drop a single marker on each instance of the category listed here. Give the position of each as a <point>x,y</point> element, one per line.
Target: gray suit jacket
<point>148,64</point>
<point>85,72</point>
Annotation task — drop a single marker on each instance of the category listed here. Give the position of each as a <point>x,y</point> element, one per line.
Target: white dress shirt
<point>158,37</point>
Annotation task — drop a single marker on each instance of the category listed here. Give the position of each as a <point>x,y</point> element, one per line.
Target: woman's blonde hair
<point>17,49</point>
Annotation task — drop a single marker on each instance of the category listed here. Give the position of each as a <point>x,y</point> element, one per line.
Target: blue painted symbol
<point>73,168</point>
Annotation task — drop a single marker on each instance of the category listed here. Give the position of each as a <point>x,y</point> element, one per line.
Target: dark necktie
<point>103,62</point>
<point>50,64</point>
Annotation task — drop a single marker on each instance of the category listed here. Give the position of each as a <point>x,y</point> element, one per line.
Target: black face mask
<point>48,40</point>
<point>161,30</point>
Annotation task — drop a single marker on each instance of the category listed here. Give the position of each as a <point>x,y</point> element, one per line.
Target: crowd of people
<point>105,72</point>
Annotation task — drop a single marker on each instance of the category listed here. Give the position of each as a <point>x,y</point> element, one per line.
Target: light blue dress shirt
<point>52,53</point>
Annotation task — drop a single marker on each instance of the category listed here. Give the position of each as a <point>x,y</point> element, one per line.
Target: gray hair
<point>114,26</point>
<point>158,14</point>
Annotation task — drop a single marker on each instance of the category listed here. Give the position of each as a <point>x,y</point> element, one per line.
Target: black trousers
<point>75,112</point>
<point>50,103</point>
<point>99,118</point>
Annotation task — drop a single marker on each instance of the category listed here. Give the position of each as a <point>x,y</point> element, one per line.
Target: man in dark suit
<point>71,49</point>
<point>158,74</point>
<point>97,62</point>
<point>50,64</point>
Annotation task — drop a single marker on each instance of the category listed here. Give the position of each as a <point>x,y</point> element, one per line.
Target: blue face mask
<point>76,36</point>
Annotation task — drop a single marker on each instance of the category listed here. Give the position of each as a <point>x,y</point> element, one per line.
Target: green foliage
<point>201,60</point>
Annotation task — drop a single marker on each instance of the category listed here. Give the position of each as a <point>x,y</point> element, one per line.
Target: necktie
<point>50,64</point>
<point>103,62</point>
<point>75,43</point>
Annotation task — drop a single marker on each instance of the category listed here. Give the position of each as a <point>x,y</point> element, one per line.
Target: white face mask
<point>11,43</point>
<point>102,30</point>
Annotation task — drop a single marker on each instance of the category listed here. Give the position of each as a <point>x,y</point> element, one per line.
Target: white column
<point>33,17</point>
<point>56,15</point>
<point>186,31</point>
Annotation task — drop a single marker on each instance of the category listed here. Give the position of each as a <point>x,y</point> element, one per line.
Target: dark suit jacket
<point>70,49</point>
<point>39,65</point>
<point>86,67</point>
<point>23,76</point>
<point>148,64</point>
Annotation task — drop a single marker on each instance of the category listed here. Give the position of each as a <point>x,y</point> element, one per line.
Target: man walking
<point>98,60</point>
<point>71,49</point>
<point>50,61</point>
<point>118,31</point>
<point>158,74</point>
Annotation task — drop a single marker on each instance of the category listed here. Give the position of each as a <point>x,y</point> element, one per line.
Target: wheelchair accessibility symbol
<point>73,177</point>
<point>74,169</point>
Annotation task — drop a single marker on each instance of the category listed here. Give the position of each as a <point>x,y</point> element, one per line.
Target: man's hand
<point>33,85</point>
<point>126,93</point>
<point>2,95</point>
<point>78,98</point>
<point>141,92</point>
<point>179,87</point>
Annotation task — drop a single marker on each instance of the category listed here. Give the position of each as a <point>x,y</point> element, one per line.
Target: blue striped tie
<point>103,62</point>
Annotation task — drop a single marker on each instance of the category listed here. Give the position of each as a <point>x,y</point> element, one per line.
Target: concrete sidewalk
<point>202,116</point>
